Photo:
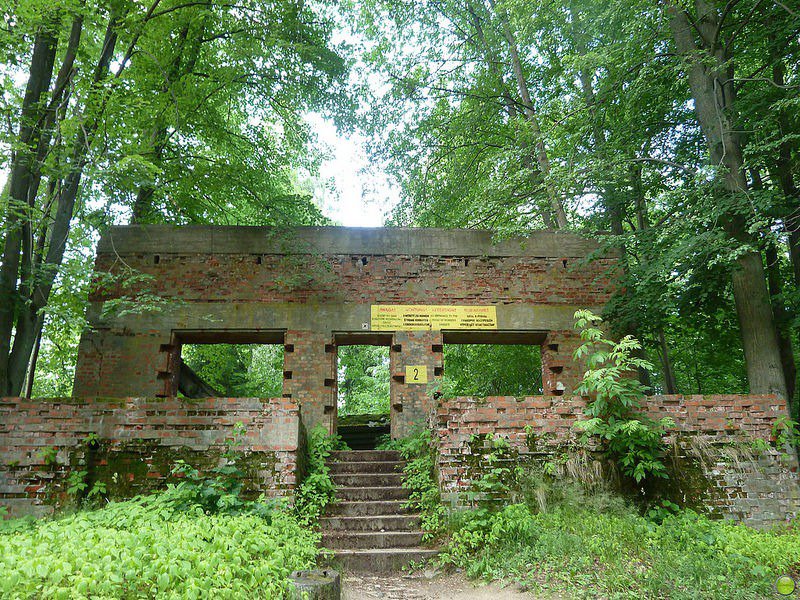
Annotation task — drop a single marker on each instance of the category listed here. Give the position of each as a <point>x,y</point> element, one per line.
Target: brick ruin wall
<point>715,463</point>
<point>305,289</point>
<point>318,281</point>
<point>138,442</point>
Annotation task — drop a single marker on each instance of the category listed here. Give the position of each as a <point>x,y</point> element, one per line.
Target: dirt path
<point>422,587</point>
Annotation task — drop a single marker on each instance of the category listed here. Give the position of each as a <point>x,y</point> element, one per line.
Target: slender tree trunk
<point>529,110</point>
<point>785,176</point>
<point>670,385</point>
<point>530,157</point>
<point>711,82</point>
<point>29,319</point>
<point>183,62</point>
<point>782,320</point>
<point>29,378</point>
<point>18,219</point>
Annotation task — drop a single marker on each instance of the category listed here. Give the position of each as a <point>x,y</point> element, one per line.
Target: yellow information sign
<point>416,374</point>
<point>416,317</point>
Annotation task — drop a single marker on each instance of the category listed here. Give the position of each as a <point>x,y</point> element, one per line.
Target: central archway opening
<point>363,382</point>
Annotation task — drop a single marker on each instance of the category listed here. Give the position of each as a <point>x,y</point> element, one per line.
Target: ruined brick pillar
<point>411,402</point>
<point>561,375</point>
<point>309,366</point>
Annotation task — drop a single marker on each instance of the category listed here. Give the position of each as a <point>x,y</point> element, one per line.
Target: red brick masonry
<point>760,487</point>
<point>139,440</point>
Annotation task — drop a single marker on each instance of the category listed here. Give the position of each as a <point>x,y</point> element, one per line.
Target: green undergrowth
<point>199,538</point>
<point>585,553</point>
<point>317,490</point>
<point>419,477</point>
<point>164,545</point>
<point>556,535</point>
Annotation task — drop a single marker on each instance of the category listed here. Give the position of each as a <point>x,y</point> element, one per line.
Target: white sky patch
<point>360,193</point>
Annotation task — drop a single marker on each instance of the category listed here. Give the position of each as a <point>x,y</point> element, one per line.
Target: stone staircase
<point>367,526</point>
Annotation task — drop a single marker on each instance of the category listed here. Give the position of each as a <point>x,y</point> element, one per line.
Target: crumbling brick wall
<point>309,284</point>
<point>716,464</point>
<point>138,441</point>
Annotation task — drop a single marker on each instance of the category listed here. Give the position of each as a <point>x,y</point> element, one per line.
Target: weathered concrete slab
<point>215,239</point>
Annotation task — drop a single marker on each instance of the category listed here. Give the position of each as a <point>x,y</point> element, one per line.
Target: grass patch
<point>620,554</point>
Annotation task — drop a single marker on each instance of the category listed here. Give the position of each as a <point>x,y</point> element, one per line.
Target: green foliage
<point>419,477</point>
<point>363,380</point>
<point>582,553</point>
<point>49,454</point>
<point>492,370</point>
<point>178,113</point>
<point>630,437</point>
<point>498,473</point>
<point>238,371</point>
<point>219,490</point>
<point>786,431</point>
<point>76,483</point>
<point>145,548</point>
<point>588,102</point>
<point>317,490</point>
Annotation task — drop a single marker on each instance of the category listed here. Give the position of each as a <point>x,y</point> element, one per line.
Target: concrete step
<point>363,508</point>
<point>372,539</point>
<point>365,455</point>
<point>370,523</point>
<point>383,466</point>
<point>367,479</point>
<point>383,560</point>
<point>376,493</point>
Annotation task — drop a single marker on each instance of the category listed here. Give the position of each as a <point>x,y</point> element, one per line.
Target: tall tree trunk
<point>670,384</point>
<point>29,318</point>
<point>782,320</point>
<point>711,81</point>
<point>785,176</point>
<point>529,110</point>
<point>31,375</point>
<point>530,157</point>
<point>18,219</point>
<point>183,62</point>
<point>614,209</point>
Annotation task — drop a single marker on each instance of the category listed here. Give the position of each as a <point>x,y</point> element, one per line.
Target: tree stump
<point>318,584</point>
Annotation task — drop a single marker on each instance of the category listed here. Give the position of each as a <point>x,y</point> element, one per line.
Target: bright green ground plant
<point>419,477</point>
<point>582,552</point>
<point>143,548</point>
<point>197,539</point>
<point>317,490</point>
<point>634,440</point>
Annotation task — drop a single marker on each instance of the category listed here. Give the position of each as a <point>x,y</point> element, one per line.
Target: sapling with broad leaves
<point>625,433</point>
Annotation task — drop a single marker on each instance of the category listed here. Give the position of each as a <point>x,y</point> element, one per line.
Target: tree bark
<point>529,110</point>
<point>710,77</point>
<point>18,219</point>
<point>670,384</point>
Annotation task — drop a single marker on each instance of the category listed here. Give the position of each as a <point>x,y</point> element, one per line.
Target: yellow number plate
<point>416,374</point>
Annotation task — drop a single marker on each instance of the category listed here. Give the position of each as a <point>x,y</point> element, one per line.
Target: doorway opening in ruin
<point>363,382</point>
<point>230,364</point>
<point>485,364</point>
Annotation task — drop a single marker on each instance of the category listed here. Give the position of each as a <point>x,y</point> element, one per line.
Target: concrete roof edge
<point>225,239</point>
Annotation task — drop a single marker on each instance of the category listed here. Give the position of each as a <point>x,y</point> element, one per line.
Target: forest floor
<point>429,586</point>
